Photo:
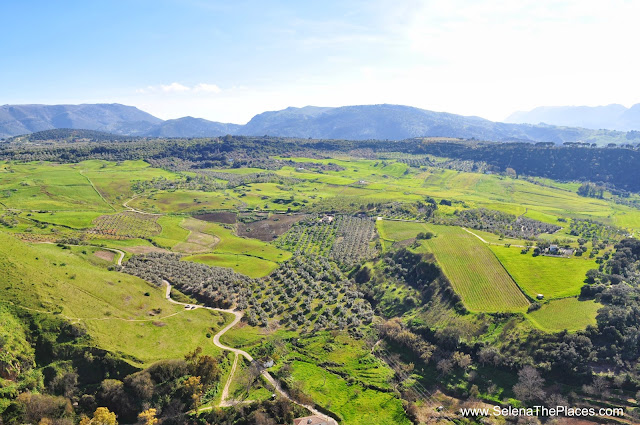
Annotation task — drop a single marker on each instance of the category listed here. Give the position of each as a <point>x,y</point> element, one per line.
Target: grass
<point>182,201</point>
<point>355,404</point>
<point>250,266</point>
<point>198,240</point>
<point>399,230</point>
<point>230,243</point>
<point>73,285</point>
<point>474,271</point>
<point>551,276</point>
<point>74,219</point>
<point>48,187</point>
<point>172,233</point>
<point>567,313</point>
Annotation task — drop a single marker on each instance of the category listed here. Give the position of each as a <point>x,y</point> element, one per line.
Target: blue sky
<point>227,61</point>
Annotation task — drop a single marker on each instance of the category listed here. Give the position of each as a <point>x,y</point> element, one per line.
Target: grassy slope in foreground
<point>567,313</point>
<point>112,306</point>
<point>475,273</point>
<point>551,276</point>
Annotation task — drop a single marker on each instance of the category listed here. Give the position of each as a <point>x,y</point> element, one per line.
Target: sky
<point>229,60</point>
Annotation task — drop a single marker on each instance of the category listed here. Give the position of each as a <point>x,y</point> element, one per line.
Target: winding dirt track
<point>216,340</point>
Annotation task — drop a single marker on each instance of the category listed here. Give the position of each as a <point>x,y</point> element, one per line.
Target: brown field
<point>105,255</point>
<point>141,249</point>
<point>224,217</point>
<point>270,228</point>
<point>197,241</point>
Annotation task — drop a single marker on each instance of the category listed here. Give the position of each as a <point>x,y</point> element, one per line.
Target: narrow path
<point>225,392</point>
<point>96,190</point>
<point>216,340</point>
<point>126,205</point>
<point>487,242</point>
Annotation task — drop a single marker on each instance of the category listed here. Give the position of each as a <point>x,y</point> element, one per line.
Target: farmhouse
<point>553,249</point>
<point>310,420</point>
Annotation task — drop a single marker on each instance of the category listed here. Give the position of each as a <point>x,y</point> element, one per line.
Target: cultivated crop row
<point>475,273</point>
<point>306,292</point>
<point>128,224</point>
<point>342,238</point>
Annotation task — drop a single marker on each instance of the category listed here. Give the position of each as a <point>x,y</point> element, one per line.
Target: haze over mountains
<point>393,122</point>
<point>612,117</point>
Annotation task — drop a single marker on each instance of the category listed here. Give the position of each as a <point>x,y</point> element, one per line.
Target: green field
<point>74,219</point>
<point>182,201</point>
<point>355,404</point>
<point>565,313</point>
<point>400,230</point>
<point>552,277</point>
<point>474,272</point>
<point>71,284</point>
<point>230,243</point>
<point>48,187</point>
<point>250,266</point>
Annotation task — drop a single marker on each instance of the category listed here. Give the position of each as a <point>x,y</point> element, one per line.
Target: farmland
<point>128,224</point>
<point>566,313</point>
<point>472,269</point>
<point>73,284</point>
<point>345,273</point>
<point>552,277</point>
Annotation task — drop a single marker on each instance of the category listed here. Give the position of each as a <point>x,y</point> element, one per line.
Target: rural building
<point>553,249</point>
<point>310,420</point>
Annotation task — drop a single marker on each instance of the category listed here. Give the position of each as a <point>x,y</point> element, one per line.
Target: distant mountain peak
<point>354,122</point>
<point>611,117</point>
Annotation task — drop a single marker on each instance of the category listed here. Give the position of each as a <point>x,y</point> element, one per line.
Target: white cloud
<point>207,88</point>
<point>174,88</point>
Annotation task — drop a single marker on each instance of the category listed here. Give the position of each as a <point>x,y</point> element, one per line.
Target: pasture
<point>75,285</point>
<point>245,264</point>
<point>565,314</point>
<point>553,277</point>
<point>354,403</point>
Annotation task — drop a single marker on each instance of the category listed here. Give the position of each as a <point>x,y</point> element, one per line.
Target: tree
<point>445,366</point>
<point>148,417</point>
<point>529,386</point>
<point>102,416</point>
<point>194,389</point>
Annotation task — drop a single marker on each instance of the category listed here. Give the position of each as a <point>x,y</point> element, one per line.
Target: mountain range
<point>361,122</point>
<point>612,117</point>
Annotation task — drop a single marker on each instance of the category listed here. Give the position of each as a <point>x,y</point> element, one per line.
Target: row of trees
<point>500,223</point>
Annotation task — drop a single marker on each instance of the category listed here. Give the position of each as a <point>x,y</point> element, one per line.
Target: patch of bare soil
<point>144,249</point>
<point>270,228</point>
<point>105,255</point>
<point>197,241</point>
<point>224,217</point>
